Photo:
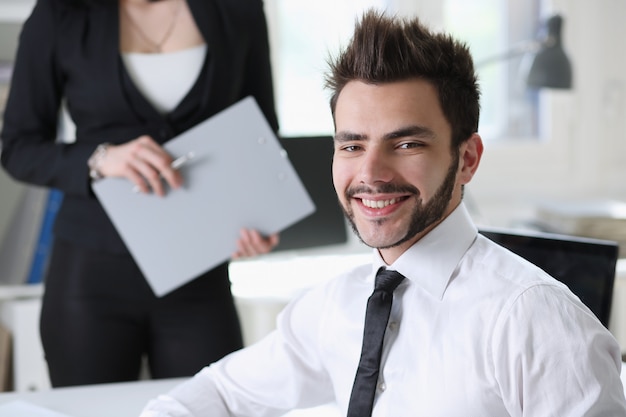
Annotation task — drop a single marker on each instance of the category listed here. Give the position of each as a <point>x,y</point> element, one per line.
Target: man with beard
<point>473,329</point>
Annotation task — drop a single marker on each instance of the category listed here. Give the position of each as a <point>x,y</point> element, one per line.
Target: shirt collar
<point>431,261</point>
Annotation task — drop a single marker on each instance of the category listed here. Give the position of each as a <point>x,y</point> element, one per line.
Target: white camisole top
<point>165,79</point>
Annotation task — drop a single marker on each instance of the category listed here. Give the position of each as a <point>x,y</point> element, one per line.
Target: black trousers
<point>99,318</point>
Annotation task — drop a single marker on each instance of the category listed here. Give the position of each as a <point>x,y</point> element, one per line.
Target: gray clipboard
<point>239,177</point>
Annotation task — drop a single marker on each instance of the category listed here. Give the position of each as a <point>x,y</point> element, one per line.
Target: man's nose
<point>376,166</point>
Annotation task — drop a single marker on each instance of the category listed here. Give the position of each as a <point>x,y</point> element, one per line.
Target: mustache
<point>382,189</point>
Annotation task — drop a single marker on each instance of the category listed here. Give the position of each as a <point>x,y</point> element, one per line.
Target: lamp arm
<point>516,50</point>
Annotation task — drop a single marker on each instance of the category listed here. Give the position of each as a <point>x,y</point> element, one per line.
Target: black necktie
<point>376,318</point>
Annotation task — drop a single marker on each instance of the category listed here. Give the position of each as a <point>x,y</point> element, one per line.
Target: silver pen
<point>176,164</point>
<point>182,160</point>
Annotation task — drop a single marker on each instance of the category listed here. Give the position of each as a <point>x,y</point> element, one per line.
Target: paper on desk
<point>239,177</point>
<point>20,408</point>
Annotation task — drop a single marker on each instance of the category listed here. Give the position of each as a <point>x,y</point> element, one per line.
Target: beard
<point>423,216</point>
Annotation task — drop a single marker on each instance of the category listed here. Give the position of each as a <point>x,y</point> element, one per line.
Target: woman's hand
<point>251,243</point>
<point>144,162</point>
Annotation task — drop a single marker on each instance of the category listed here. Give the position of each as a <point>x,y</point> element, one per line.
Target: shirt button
<point>382,386</point>
<point>393,325</point>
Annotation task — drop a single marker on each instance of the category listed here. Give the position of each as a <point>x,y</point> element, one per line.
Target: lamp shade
<point>550,67</point>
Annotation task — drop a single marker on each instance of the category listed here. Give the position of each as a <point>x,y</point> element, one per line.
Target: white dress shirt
<point>475,331</point>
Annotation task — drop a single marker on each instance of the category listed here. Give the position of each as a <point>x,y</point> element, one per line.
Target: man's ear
<point>471,152</point>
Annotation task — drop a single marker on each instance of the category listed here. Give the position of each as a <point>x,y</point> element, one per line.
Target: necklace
<point>156,47</point>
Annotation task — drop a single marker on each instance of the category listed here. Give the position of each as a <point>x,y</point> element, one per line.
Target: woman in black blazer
<point>99,317</point>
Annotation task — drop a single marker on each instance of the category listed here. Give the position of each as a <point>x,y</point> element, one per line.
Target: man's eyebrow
<point>415,131</point>
<point>349,136</point>
<point>411,131</point>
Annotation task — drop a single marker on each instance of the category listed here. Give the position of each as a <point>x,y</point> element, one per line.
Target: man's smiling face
<point>393,168</point>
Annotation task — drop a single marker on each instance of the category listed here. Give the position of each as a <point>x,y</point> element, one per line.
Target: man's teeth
<point>378,203</point>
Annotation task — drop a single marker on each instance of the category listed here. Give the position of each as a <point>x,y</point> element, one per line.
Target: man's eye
<point>351,148</point>
<point>410,145</point>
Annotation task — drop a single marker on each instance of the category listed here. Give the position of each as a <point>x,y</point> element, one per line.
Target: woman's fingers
<point>145,163</point>
<point>252,243</point>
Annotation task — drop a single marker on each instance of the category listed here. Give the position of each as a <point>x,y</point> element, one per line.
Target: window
<point>303,34</point>
<point>492,29</point>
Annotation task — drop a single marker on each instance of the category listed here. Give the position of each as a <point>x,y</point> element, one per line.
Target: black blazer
<point>72,52</point>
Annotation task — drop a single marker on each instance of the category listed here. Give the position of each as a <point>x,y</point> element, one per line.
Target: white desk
<point>19,313</point>
<point>117,400</point>
<point>106,400</point>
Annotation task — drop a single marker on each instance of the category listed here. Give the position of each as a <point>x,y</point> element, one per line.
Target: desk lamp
<point>549,67</point>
